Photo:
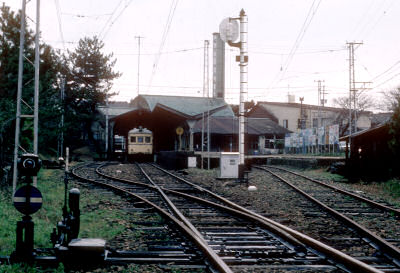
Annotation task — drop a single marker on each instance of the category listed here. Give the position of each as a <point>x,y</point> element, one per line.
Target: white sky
<point>273,28</point>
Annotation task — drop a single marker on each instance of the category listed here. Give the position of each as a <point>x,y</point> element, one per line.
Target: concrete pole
<point>243,81</point>
<point>19,93</point>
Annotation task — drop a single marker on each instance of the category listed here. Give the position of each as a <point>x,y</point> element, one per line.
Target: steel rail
<point>298,246</point>
<point>214,259</point>
<point>356,196</point>
<point>171,205</point>
<point>338,256</point>
<point>272,228</point>
<point>385,246</point>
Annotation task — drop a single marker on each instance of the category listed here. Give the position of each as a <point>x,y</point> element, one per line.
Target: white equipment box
<point>192,162</point>
<point>229,164</point>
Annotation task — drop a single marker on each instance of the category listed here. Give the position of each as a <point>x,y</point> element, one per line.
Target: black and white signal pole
<point>243,61</point>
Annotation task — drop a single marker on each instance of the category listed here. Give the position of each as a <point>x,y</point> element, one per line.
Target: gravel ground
<point>271,194</point>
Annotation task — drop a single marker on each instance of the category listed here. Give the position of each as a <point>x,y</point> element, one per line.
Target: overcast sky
<point>292,43</point>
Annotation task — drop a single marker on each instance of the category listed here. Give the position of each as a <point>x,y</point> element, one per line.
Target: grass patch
<point>99,216</point>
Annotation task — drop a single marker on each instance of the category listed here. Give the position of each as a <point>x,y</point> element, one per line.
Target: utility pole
<point>301,113</point>
<point>138,69</point>
<point>323,96</point>
<point>319,118</point>
<point>352,86</point>
<point>206,94</point>
<point>60,149</point>
<point>205,70</point>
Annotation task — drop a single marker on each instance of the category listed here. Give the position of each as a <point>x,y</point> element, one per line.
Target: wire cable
<point>310,15</point>
<point>110,18</point>
<point>167,27</point>
<point>59,22</point>
<point>116,18</point>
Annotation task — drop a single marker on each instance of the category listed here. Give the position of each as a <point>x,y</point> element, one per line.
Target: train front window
<point>133,139</point>
<point>147,139</point>
<point>140,139</point>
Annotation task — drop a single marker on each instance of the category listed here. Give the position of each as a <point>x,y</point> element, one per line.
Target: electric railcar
<point>140,144</point>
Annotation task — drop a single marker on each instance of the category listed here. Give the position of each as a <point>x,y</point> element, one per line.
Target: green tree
<point>48,109</point>
<point>89,74</point>
<point>394,125</point>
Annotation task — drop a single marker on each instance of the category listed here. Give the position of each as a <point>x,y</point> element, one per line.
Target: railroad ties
<point>215,233</point>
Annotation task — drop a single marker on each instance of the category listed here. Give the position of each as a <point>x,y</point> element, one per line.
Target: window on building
<point>315,122</point>
<point>147,139</point>
<point>285,123</point>
<point>140,139</point>
<point>269,144</point>
<point>133,139</point>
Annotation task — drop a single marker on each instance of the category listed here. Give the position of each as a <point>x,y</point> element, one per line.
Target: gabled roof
<point>188,106</point>
<point>253,126</point>
<point>366,131</point>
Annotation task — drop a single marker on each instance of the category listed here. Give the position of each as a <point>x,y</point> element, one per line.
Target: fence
<point>322,140</point>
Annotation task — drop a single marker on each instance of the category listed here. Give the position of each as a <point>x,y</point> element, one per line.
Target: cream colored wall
<point>290,113</point>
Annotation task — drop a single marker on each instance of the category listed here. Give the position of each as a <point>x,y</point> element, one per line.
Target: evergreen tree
<point>89,75</point>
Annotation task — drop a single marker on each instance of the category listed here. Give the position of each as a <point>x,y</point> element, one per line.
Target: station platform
<point>298,160</point>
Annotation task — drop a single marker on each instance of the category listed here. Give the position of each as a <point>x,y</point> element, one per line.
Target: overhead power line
<point>59,22</point>
<point>116,18</point>
<point>167,27</point>
<point>162,53</point>
<point>310,15</point>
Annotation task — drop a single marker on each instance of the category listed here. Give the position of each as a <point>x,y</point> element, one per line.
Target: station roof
<point>230,125</point>
<point>114,109</point>
<point>366,132</point>
<point>186,106</point>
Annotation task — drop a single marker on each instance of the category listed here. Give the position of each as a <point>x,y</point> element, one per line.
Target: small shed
<point>370,154</point>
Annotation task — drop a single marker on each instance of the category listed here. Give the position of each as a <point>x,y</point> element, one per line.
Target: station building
<point>199,117</point>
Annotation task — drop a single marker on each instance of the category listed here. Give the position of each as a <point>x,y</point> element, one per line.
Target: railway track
<point>162,238</point>
<point>363,228</point>
<point>238,238</point>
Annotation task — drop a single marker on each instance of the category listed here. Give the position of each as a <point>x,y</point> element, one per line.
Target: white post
<point>19,93</point>
<point>243,81</point>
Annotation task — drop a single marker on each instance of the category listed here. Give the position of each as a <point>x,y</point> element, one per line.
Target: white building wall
<point>291,114</point>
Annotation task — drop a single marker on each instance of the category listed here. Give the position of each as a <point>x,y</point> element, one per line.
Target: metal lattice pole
<point>19,93</point>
